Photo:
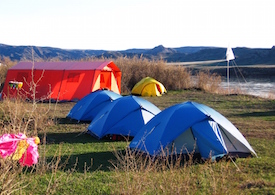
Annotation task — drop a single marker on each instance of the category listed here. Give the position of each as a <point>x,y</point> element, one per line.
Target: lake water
<point>257,87</point>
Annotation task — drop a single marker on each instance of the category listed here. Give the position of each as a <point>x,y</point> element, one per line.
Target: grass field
<point>73,162</point>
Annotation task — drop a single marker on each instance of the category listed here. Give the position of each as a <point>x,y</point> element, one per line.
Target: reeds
<point>208,82</point>
<point>134,69</point>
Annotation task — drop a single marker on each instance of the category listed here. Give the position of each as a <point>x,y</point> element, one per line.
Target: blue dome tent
<point>191,127</point>
<point>125,116</point>
<point>88,107</point>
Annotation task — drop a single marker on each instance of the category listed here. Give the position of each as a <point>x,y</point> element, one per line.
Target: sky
<point>143,24</point>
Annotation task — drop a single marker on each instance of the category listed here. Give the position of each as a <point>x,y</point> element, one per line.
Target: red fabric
<point>64,81</point>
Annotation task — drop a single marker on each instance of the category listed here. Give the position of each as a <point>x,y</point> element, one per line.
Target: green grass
<point>84,162</point>
<point>83,148</point>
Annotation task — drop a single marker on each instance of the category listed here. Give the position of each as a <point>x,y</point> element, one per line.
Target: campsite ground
<point>83,163</point>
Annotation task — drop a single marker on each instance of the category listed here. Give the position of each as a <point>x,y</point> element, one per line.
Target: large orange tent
<point>64,81</point>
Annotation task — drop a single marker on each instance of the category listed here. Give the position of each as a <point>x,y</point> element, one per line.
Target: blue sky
<point>126,24</point>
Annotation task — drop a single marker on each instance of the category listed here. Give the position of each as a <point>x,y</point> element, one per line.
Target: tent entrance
<point>150,90</point>
<point>105,80</point>
<point>234,146</point>
<point>184,144</point>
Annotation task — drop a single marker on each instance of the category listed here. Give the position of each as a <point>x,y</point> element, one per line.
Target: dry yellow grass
<point>134,69</point>
<point>137,173</point>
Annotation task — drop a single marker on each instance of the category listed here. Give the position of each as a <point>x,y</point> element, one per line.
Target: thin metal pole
<point>228,76</point>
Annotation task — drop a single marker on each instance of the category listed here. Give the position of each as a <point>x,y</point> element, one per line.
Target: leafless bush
<point>9,176</point>
<point>30,118</point>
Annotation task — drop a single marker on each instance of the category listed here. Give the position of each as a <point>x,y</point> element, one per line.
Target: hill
<point>244,56</point>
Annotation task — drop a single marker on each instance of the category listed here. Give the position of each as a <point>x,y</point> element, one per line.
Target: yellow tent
<point>148,87</point>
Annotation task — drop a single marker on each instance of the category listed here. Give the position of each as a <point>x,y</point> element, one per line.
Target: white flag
<point>229,54</point>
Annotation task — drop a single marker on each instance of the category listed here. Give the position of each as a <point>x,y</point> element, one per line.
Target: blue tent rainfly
<point>191,127</point>
<point>88,107</point>
<point>124,116</point>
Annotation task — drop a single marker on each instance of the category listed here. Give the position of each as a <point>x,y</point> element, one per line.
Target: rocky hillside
<point>244,56</point>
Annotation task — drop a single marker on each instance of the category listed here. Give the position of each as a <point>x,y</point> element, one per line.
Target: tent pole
<point>228,76</point>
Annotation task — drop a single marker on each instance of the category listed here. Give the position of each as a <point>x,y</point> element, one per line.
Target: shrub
<point>134,69</point>
<point>208,82</point>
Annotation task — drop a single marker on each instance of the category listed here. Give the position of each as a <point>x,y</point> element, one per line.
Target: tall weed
<point>136,173</point>
<point>11,177</point>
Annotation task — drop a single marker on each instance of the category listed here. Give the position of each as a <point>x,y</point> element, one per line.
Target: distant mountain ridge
<point>244,56</point>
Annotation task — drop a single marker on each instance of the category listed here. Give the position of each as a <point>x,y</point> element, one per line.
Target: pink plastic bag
<point>19,147</point>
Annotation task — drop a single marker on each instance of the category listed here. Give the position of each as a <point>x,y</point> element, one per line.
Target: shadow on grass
<point>258,114</point>
<point>71,137</point>
<point>89,161</point>
<point>70,121</point>
<point>86,161</point>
